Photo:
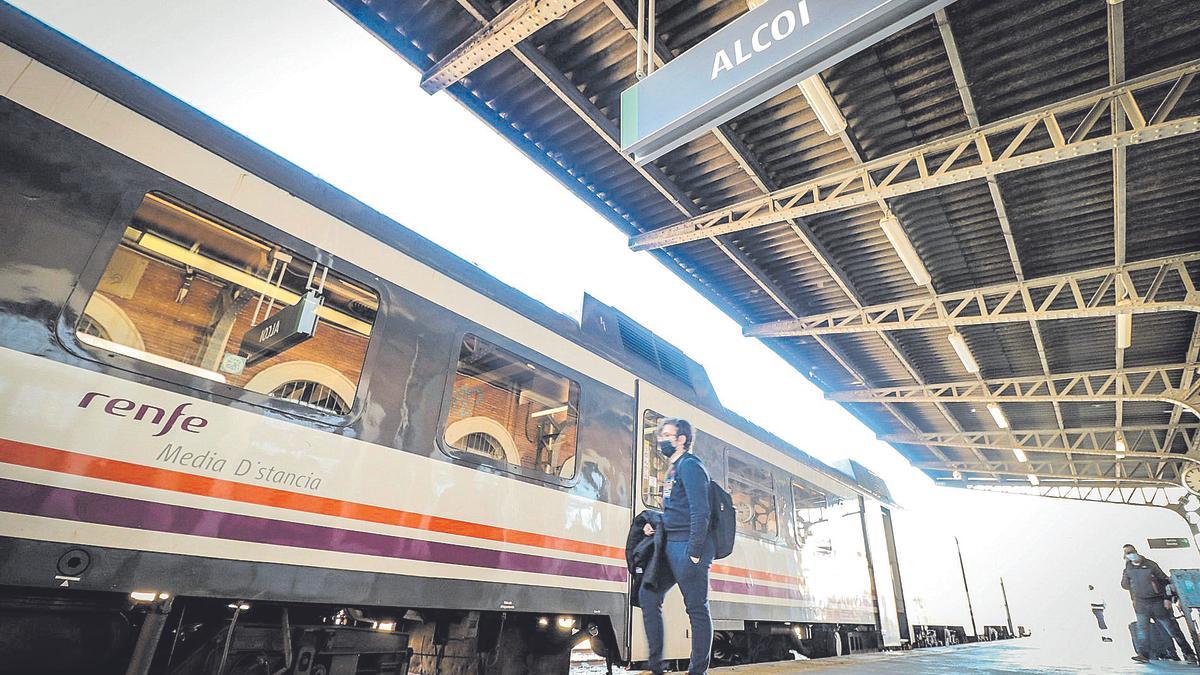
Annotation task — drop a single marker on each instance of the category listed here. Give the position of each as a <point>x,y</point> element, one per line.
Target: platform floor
<point>1022,657</point>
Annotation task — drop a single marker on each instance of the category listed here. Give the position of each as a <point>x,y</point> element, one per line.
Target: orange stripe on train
<point>78,464</point>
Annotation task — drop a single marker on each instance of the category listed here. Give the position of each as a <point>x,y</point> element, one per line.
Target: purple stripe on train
<point>723,586</point>
<point>52,502</point>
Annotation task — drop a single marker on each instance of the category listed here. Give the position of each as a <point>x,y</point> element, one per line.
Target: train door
<point>891,627</point>
<point>650,467</point>
<point>897,585</point>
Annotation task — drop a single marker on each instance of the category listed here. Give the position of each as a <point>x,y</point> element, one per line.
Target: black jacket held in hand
<point>1145,581</point>
<point>646,557</point>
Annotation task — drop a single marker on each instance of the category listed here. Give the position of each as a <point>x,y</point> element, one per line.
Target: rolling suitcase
<point>1161,644</point>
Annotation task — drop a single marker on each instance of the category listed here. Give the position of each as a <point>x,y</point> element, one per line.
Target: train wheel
<point>725,650</point>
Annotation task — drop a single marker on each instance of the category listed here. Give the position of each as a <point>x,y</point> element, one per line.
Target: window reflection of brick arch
<point>314,394</point>
<point>483,431</point>
<point>288,372</point>
<point>106,320</point>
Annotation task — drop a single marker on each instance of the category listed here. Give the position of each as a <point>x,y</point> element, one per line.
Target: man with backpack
<point>689,547</point>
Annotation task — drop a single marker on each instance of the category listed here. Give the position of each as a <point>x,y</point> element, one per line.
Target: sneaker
<point>1106,639</point>
<point>1140,659</point>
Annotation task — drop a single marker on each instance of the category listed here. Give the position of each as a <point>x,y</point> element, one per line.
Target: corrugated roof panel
<point>1019,55</point>
<point>1061,215</point>
<point>1160,33</point>
<point>899,93</point>
<point>957,233</point>
<point>854,238</point>
<point>1164,198</point>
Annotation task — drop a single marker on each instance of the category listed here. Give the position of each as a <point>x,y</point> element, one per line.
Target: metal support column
<point>970,607</point>
<point>149,635</point>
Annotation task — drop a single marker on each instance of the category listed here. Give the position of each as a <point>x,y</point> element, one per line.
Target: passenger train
<point>249,425</point>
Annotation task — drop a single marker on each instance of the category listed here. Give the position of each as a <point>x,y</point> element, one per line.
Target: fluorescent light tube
<point>1020,455</point>
<point>1033,480</point>
<point>998,415</point>
<point>823,105</point>
<point>964,352</point>
<point>906,251</point>
<point>1124,330</point>
<point>1121,448</point>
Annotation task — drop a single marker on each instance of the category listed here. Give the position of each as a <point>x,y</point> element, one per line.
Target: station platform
<point>1023,656</point>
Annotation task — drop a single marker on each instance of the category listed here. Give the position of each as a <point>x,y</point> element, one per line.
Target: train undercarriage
<point>76,632</point>
<point>69,632</point>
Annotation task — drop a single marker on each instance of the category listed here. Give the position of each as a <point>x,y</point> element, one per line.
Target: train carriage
<point>249,425</point>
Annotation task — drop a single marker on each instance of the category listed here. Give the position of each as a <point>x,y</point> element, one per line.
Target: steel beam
<point>976,154</point>
<point>1164,496</point>
<point>1149,439</point>
<point>1152,467</point>
<point>1156,383</point>
<point>1116,74</point>
<point>1158,285</point>
<point>1118,116</point>
<point>510,27</point>
<point>1050,470</point>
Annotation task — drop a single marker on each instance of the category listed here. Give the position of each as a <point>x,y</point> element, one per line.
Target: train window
<point>753,492</point>
<point>812,506</point>
<point>512,411</point>
<point>654,465</point>
<point>192,293</point>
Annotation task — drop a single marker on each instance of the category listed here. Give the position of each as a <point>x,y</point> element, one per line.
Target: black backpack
<point>722,520</point>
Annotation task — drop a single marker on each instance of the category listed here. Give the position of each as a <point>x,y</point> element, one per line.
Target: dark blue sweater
<point>686,508</point>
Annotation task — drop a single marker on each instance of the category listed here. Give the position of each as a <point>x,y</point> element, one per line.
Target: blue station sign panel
<point>757,56</point>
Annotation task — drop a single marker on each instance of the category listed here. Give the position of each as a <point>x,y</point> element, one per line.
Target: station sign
<point>285,329</point>
<point>1171,542</point>
<point>762,53</point>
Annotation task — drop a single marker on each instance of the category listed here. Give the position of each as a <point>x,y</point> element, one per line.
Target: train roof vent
<point>869,480</point>
<point>654,349</point>
<point>641,350</point>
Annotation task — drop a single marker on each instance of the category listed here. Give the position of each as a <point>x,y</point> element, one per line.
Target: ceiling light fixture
<point>964,352</point>
<point>1124,330</point>
<point>1020,455</point>
<point>998,415</point>
<point>1033,480</point>
<point>823,105</point>
<point>904,248</point>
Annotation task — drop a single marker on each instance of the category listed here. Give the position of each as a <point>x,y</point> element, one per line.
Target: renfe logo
<point>782,25</point>
<point>119,406</point>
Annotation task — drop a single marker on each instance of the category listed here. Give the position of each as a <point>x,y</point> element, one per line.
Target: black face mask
<point>666,448</point>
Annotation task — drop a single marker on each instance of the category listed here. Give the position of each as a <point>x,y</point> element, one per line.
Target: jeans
<point>693,583</point>
<point>1099,613</point>
<point>1154,609</point>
